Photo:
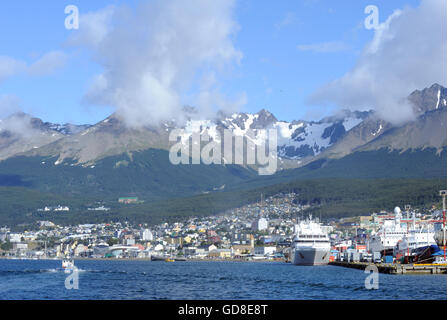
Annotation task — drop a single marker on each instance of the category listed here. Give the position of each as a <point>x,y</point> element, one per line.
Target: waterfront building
<point>80,250</point>
<point>220,253</point>
<point>241,249</point>
<point>264,251</point>
<point>100,249</point>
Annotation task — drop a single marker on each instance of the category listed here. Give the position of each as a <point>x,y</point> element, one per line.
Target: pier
<point>396,268</point>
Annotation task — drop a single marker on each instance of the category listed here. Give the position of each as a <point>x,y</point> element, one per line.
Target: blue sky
<point>274,72</point>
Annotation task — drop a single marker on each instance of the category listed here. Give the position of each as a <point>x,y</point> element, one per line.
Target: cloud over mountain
<point>408,51</point>
<point>9,104</point>
<point>157,54</point>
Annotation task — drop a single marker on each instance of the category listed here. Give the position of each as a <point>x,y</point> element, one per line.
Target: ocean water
<point>43,279</point>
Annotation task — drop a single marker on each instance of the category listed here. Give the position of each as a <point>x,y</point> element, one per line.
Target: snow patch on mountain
<point>296,140</point>
<point>202,127</point>
<point>378,130</point>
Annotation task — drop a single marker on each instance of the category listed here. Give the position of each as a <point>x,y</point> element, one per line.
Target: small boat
<point>169,260</point>
<point>68,264</point>
<point>157,258</point>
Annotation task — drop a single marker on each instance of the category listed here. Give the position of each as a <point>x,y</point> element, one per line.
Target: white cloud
<point>10,67</point>
<point>154,55</point>
<point>48,63</point>
<point>324,47</point>
<point>12,119</point>
<point>19,124</point>
<point>9,104</point>
<point>95,26</point>
<point>288,19</point>
<point>408,52</point>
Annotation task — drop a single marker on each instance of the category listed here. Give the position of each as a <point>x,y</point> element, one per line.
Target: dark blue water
<point>40,279</point>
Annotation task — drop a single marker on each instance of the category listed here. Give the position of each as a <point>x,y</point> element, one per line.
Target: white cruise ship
<point>415,238</point>
<point>392,235</point>
<point>311,245</point>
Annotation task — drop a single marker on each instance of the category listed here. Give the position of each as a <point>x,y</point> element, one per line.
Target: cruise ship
<point>311,245</point>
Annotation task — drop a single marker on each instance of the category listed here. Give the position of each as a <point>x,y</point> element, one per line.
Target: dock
<point>395,268</point>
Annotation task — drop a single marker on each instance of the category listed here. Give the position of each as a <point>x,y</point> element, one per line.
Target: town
<point>261,231</point>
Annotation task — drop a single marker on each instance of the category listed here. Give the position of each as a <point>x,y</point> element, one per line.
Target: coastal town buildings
<point>258,230</point>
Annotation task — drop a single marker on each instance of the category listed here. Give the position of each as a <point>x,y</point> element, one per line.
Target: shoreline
<point>144,259</point>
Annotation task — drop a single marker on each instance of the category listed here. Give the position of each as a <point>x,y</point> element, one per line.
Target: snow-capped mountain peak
<point>296,139</point>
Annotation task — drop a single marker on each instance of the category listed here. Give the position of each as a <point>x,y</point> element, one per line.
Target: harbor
<point>275,229</point>
<point>400,248</point>
<point>390,268</point>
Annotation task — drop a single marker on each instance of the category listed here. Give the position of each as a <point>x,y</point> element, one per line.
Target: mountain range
<point>299,142</point>
<point>108,159</point>
<point>86,144</point>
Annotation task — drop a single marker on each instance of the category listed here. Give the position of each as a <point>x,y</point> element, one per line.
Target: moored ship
<point>68,264</point>
<point>396,239</point>
<point>311,245</point>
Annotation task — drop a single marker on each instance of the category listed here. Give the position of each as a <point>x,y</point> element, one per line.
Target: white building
<point>15,237</point>
<point>264,251</point>
<point>158,247</point>
<point>189,251</point>
<point>20,246</point>
<point>130,242</point>
<point>146,235</point>
<point>260,224</point>
<point>80,249</point>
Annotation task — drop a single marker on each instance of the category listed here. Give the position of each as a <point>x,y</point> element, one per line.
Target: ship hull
<point>157,258</point>
<point>310,256</point>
